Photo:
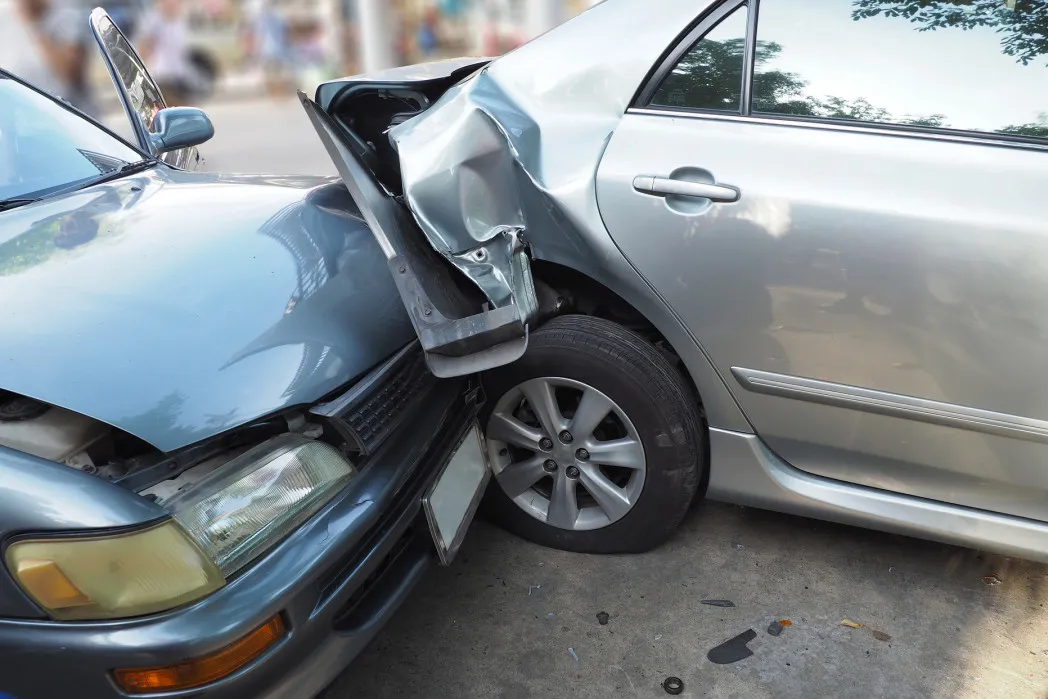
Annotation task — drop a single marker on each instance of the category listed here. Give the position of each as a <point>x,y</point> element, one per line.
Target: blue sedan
<point>223,459</point>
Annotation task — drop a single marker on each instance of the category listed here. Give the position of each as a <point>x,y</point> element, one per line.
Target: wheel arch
<point>565,289</point>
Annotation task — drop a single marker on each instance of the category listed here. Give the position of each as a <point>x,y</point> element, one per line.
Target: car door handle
<point>665,187</point>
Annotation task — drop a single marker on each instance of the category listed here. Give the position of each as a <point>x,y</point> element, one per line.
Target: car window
<point>709,75</point>
<point>146,99</point>
<point>979,66</point>
<point>44,146</point>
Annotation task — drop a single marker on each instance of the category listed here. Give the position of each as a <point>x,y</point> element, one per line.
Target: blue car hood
<point>176,305</point>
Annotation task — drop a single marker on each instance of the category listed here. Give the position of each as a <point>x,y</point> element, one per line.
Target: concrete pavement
<point>500,621</point>
<point>270,136</point>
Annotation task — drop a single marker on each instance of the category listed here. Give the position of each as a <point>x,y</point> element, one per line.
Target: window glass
<point>145,97</point>
<point>976,66</point>
<point>709,75</point>
<point>45,147</point>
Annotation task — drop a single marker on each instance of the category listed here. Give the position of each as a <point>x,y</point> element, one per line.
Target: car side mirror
<point>180,127</point>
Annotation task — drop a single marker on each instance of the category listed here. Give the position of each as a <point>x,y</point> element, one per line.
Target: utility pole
<point>542,15</point>
<point>331,14</point>
<point>377,34</point>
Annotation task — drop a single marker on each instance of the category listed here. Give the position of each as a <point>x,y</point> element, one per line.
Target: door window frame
<point>711,17</point>
<point>702,25</point>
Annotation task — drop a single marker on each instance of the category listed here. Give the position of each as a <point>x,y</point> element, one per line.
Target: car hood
<point>178,305</point>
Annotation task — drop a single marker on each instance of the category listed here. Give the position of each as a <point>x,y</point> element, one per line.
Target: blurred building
<point>324,39</point>
<point>396,32</point>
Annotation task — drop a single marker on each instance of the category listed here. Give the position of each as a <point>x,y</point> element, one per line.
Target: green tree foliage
<point>1022,24</point>
<point>710,77</point>
<point>1038,129</point>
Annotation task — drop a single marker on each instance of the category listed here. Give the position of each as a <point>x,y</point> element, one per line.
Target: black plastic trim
<point>701,26</point>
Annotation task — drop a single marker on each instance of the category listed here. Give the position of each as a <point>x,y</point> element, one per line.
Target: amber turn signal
<point>201,671</point>
<point>52,587</point>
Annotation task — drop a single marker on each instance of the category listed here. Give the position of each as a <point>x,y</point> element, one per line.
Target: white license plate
<point>452,501</point>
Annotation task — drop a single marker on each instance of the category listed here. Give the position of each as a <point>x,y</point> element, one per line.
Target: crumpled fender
<point>509,157</point>
<point>507,162</point>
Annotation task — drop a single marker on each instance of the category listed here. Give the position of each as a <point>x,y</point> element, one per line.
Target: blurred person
<point>427,38</point>
<point>271,44</point>
<point>163,44</point>
<point>46,43</point>
<point>310,55</point>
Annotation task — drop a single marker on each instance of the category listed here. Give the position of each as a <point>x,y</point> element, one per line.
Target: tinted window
<point>709,76</point>
<point>978,66</point>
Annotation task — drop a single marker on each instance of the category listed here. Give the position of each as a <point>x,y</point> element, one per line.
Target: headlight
<point>252,502</point>
<point>107,577</point>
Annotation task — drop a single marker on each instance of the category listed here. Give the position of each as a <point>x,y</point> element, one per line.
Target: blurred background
<point>207,48</point>
<point>242,60</point>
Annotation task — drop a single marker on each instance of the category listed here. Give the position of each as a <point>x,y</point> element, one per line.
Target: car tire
<point>569,358</point>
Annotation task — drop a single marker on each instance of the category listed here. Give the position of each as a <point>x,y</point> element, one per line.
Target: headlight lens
<point>251,503</point>
<point>109,577</point>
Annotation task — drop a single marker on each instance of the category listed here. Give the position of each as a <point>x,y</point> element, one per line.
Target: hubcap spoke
<point>626,452</point>
<point>543,403</point>
<point>597,449</point>
<point>593,408</point>
<point>505,428</point>
<point>563,508</point>
<point>516,478</point>
<point>609,496</point>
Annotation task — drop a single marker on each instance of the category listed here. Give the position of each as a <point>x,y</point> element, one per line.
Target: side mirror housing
<point>180,127</point>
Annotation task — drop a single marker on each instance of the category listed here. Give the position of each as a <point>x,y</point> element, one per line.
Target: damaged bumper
<point>461,331</point>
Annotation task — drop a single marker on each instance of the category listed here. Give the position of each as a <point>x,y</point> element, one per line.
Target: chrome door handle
<point>665,187</point>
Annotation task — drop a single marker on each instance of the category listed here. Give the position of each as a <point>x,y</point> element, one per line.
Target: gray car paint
<point>519,145</point>
<point>41,496</point>
<point>315,577</point>
<point>905,280</point>
<point>752,474</point>
<point>178,305</point>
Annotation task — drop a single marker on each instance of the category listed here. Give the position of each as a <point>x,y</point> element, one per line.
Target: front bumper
<point>336,580</point>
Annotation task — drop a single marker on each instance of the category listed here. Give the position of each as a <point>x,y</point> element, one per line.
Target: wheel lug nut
<point>582,455</point>
<point>546,444</point>
<point>550,466</point>
<point>572,472</point>
<point>565,437</point>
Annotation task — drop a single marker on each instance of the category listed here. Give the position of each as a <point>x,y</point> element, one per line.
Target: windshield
<point>45,147</point>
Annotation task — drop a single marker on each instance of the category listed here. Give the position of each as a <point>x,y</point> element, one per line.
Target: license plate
<point>452,501</point>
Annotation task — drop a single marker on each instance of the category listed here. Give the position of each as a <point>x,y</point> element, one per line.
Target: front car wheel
<point>594,438</point>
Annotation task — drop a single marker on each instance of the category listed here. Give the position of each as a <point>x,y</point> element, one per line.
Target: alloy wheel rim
<point>566,453</point>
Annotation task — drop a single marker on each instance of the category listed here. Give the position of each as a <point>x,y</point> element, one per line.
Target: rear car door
<point>845,202</point>
<point>139,94</point>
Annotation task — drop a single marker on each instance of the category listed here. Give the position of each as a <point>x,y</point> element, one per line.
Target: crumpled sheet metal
<point>516,148</point>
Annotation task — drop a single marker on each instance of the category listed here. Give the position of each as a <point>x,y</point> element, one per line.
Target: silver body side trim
<point>745,472</point>
<point>893,405</point>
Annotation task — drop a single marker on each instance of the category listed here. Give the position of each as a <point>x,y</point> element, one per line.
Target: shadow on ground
<point>504,620</point>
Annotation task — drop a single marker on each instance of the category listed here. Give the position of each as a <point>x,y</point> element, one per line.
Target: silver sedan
<point>790,254</point>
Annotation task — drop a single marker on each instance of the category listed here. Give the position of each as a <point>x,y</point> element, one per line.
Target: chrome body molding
<point>893,405</point>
